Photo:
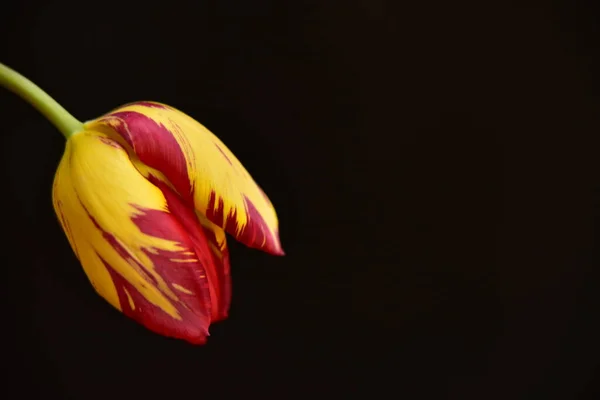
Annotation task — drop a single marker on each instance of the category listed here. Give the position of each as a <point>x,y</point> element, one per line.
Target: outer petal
<point>200,167</point>
<point>133,240</point>
<point>200,229</point>
<point>218,245</point>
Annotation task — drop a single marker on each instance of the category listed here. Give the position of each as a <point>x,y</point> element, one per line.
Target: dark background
<point>434,169</point>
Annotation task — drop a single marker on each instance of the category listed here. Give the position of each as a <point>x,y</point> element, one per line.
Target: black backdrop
<point>433,166</point>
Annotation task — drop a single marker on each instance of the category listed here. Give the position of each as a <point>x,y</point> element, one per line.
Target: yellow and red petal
<point>203,235</point>
<point>200,167</point>
<point>217,241</point>
<point>133,240</point>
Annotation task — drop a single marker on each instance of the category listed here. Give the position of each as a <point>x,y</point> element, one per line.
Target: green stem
<point>30,92</point>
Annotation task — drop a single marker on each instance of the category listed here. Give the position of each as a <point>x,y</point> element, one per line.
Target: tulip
<point>145,195</point>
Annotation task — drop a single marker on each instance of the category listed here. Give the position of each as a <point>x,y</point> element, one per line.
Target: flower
<point>145,195</point>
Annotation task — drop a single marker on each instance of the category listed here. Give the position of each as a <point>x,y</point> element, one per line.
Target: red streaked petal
<point>155,146</point>
<point>133,241</point>
<point>200,167</point>
<point>220,253</point>
<point>204,240</point>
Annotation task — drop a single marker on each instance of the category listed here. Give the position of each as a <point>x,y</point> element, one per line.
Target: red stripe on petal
<point>154,318</point>
<point>223,154</point>
<point>224,272</point>
<point>155,146</point>
<point>174,225</point>
<point>220,255</point>
<point>255,233</point>
<point>193,307</point>
<point>217,282</point>
<point>123,252</point>
<point>214,212</point>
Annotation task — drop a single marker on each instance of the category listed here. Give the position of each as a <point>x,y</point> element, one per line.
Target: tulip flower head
<point>146,195</point>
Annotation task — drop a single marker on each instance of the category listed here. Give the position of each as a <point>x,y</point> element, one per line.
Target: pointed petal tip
<point>198,340</point>
<point>271,247</point>
<point>277,248</point>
